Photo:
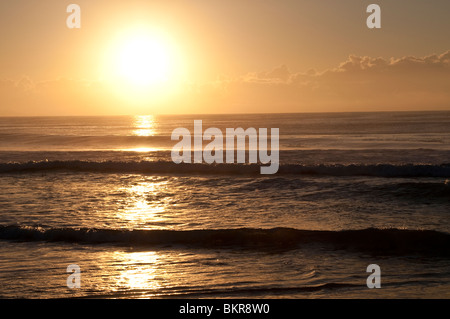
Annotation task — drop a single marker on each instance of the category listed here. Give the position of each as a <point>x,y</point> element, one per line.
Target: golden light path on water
<point>144,125</point>
<point>139,271</point>
<point>144,208</point>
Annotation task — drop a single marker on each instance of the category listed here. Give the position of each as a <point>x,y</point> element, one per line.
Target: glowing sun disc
<point>143,60</point>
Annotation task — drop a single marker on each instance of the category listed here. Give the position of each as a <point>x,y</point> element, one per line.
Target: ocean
<point>102,193</point>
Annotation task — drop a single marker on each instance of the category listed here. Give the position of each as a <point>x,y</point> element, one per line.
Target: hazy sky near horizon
<point>226,56</point>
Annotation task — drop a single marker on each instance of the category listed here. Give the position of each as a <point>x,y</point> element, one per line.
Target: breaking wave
<point>168,167</point>
<point>371,240</point>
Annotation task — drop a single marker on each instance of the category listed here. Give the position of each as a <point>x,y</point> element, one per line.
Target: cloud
<point>278,75</point>
<point>361,83</point>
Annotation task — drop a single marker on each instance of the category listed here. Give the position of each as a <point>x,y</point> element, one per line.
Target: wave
<point>156,167</point>
<point>258,291</point>
<point>370,240</point>
<point>200,291</point>
<point>417,190</point>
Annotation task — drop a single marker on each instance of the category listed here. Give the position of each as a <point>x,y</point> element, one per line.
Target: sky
<point>210,56</point>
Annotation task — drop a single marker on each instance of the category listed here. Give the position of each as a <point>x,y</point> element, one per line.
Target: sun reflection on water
<point>146,204</point>
<point>144,125</point>
<point>141,149</point>
<point>139,271</point>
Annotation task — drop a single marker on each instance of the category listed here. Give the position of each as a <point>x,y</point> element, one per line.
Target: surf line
<point>213,151</point>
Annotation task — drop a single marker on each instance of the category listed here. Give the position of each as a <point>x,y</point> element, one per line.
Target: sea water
<point>352,189</point>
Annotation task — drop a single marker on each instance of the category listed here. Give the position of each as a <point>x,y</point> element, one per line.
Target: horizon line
<point>244,113</point>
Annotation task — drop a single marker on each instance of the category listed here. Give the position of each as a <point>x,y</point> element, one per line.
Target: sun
<point>143,60</point>
<point>142,65</point>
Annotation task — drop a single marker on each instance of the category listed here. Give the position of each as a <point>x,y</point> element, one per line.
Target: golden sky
<point>208,56</point>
